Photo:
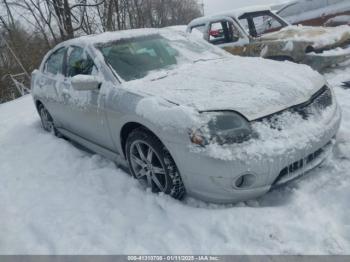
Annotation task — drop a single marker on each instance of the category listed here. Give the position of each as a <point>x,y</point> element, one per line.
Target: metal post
<point>202,6</point>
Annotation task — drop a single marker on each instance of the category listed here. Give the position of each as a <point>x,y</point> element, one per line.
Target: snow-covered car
<point>256,31</point>
<point>316,12</point>
<point>183,115</point>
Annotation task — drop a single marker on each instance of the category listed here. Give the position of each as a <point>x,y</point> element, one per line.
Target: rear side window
<point>79,63</point>
<point>260,23</point>
<point>54,63</point>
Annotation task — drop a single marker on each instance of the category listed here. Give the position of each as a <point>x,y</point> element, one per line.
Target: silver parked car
<point>184,116</point>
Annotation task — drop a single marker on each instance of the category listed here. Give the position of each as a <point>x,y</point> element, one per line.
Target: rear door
<point>49,84</point>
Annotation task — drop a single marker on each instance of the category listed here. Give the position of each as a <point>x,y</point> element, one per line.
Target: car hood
<point>319,37</point>
<point>254,87</point>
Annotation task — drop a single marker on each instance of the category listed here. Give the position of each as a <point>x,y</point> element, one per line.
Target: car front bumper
<point>214,180</point>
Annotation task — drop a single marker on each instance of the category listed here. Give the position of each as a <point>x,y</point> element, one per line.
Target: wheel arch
<point>281,58</point>
<point>38,103</point>
<point>178,190</point>
<point>129,127</point>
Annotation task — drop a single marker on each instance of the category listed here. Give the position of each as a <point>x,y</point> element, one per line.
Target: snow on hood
<point>321,37</point>
<point>254,87</point>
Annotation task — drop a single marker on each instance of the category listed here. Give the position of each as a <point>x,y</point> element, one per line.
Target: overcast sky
<point>213,6</point>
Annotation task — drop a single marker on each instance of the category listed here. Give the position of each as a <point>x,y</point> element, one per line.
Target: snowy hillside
<point>58,199</point>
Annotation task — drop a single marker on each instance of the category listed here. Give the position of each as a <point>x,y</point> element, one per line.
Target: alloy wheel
<point>147,167</point>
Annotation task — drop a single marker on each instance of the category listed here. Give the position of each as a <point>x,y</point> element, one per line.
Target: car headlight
<point>222,128</point>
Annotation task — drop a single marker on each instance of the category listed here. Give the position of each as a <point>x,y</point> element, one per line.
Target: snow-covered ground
<point>58,199</point>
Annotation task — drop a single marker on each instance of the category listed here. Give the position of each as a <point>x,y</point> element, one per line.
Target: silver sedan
<point>186,117</point>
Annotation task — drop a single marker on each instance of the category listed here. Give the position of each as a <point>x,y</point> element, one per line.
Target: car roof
<point>236,13</point>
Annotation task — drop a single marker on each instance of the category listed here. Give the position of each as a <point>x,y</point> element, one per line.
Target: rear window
<point>54,63</point>
<point>260,23</point>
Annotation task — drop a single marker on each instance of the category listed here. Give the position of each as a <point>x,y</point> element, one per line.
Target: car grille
<point>318,102</point>
<point>299,165</point>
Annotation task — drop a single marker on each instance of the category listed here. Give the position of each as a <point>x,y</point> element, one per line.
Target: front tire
<point>152,165</point>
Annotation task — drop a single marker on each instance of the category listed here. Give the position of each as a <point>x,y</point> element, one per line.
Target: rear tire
<point>47,122</point>
<point>152,165</point>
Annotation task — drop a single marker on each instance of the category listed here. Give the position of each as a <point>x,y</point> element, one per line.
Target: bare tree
<point>38,25</point>
<point>124,14</point>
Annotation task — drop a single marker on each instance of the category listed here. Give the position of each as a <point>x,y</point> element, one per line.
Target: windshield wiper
<point>160,77</point>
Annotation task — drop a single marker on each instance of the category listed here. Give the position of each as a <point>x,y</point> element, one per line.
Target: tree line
<point>32,27</point>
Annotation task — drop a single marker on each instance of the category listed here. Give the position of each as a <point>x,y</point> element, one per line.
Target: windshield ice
<point>134,58</point>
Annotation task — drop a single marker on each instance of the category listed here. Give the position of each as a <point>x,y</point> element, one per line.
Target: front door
<point>86,117</point>
<point>50,83</point>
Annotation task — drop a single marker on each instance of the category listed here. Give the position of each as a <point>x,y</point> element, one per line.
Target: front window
<point>223,32</point>
<point>199,30</point>
<point>135,58</point>
<point>260,23</point>
<point>79,63</point>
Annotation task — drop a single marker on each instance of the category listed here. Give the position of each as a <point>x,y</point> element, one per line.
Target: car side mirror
<point>85,83</point>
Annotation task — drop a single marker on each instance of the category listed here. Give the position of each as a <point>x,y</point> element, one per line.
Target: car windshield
<point>260,23</point>
<point>135,58</point>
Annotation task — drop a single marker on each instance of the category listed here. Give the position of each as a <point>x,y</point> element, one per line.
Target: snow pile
<point>58,199</point>
<point>289,46</point>
<point>341,52</point>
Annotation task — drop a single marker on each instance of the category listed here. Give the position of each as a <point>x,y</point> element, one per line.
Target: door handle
<point>41,83</point>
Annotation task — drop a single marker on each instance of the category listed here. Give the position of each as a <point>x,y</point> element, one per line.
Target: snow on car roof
<point>112,36</point>
<point>236,13</point>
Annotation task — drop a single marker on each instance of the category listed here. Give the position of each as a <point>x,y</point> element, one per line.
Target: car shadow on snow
<point>283,194</point>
